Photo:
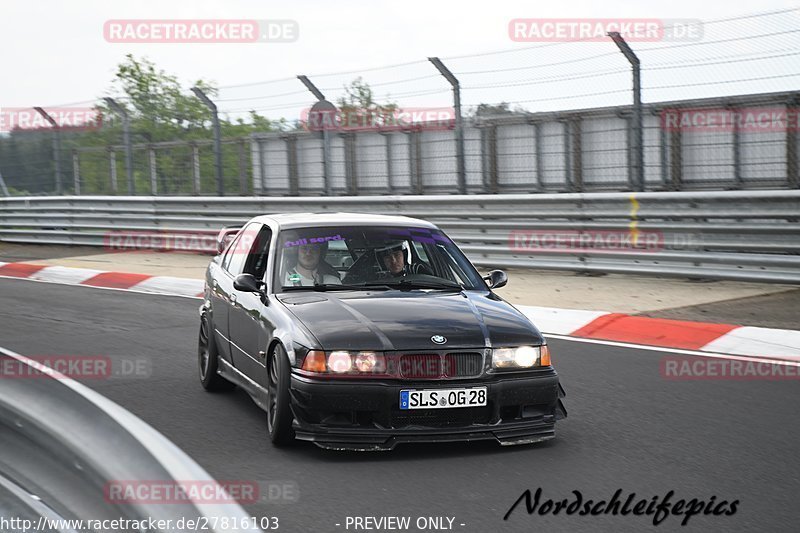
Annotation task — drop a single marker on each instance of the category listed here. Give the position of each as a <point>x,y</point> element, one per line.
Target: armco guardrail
<point>739,235</point>
<point>65,446</point>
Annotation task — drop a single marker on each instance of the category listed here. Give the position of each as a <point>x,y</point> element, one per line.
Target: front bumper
<point>365,414</point>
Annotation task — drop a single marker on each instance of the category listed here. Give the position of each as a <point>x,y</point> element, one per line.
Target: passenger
<point>393,257</point>
<point>310,268</point>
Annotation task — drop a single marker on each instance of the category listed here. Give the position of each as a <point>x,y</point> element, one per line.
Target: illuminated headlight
<point>519,357</point>
<point>340,362</point>
<point>370,362</point>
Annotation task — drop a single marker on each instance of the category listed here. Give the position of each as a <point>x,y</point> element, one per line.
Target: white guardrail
<point>737,235</point>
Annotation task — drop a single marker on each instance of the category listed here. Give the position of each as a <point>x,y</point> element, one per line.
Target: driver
<point>393,257</point>
<point>310,268</point>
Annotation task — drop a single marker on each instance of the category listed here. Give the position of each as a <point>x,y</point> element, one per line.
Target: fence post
<point>351,175</point>
<point>459,126</point>
<point>323,110</point>
<point>76,173</point>
<point>577,153</point>
<point>416,161</point>
<point>662,149</point>
<point>676,157</point>
<point>629,152</point>
<point>537,132</point>
<point>243,167</point>
<point>737,149</point>
<point>565,136</point>
<point>195,169</point>
<point>217,138</point>
<point>126,141</point>
<point>112,160</point>
<point>56,146</point>
<point>389,170</point>
<point>494,178</point>
<point>151,157</point>
<point>792,116</point>
<point>262,168</point>
<point>638,145</point>
<point>291,161</point>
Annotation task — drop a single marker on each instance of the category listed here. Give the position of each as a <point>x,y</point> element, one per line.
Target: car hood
<point>407,320</point>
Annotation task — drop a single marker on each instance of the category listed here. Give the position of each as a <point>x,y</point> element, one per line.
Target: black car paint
<point>395,320</point>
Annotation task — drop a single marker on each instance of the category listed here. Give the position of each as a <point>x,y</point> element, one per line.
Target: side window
<point>421,253</point>
<point>226,260</point>
<point>240,249</point>
<point>256,263</point>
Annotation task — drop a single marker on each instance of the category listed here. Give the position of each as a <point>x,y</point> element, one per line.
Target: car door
<point>221,285</point>
<point>249,324</point>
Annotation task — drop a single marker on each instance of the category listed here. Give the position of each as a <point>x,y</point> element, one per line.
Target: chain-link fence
<point>720,113</point>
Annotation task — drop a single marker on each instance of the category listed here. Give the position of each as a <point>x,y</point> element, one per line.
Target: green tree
<point>494,110</point>
<point>359,108</point>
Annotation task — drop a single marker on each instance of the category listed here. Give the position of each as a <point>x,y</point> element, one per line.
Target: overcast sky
<point>54,52</point>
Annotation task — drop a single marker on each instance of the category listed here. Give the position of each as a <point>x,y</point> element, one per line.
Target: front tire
<point>208,359</point>
<point>279,412</point>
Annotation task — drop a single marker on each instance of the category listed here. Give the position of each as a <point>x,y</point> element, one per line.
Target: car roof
<point>305,220</point>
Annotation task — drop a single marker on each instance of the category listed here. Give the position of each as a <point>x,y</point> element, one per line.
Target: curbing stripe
<point>115,280</point>
<point>19,270</point>
<point>59,274</point>
<point>169,285</point>
<point>653,331</point>
<point>747,340</point>
<point>559,321</point>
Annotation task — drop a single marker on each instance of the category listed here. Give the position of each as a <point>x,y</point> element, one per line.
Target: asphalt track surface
<point>628,428</point>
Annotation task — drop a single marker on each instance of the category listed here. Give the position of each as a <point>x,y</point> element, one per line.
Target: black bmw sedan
<point>360,332</point>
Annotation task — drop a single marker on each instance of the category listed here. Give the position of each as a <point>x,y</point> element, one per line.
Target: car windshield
<point>379,258</point>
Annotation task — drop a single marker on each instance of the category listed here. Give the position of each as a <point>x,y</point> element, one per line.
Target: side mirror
<point>496,279</point>
<point>246,283</point>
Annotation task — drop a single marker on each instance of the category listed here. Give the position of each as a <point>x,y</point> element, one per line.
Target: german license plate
<point>442,398</point>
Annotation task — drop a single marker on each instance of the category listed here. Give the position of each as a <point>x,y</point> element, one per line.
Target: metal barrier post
<point>217,139</point>
<point>126,141</point>
<point>459,126</point>
<point>56,147</point>
<point>638,147</point>
<point>112,161</point>
<point>76,172</point>
<point>151,156</point>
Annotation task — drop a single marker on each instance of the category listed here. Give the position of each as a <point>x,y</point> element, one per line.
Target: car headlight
<point>340,362</point>
<point>520,357</point>
<point>344,362</point>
